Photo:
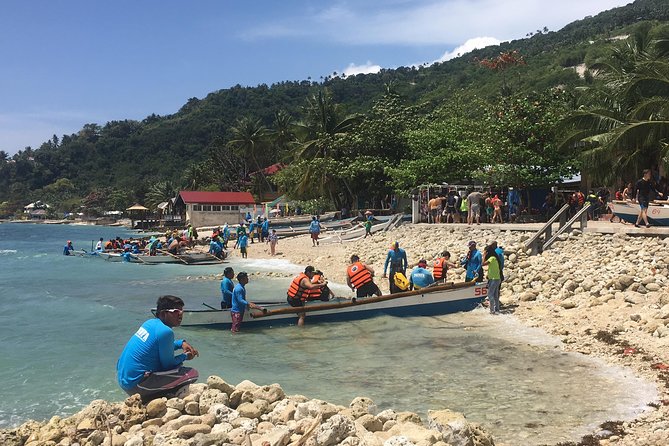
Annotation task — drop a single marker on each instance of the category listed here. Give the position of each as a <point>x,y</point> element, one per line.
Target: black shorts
<point>368,289</point>
<point>295,302</point>
<point>158,384</point>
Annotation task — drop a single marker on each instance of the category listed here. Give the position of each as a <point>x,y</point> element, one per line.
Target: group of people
<point>473,206</point>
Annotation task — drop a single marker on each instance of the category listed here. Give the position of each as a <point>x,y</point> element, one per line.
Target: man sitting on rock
<point>147,365</point>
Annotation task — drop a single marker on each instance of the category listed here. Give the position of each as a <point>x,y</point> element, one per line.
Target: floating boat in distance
<point>196,258</point>
<point>658,214</point>
<point>436,300</point>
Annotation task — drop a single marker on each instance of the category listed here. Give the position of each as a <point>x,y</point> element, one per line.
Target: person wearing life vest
<point>441,265</point>
<point>322,294</point>
<point>300,288</point>
<point>68,248</point>
<point>397,259</point>
<point>360,278</point>
<point>473,263</point>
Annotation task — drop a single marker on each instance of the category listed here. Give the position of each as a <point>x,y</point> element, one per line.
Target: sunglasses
<point>175,310</point>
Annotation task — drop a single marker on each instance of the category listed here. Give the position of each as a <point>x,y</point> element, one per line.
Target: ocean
<point>64,321</point>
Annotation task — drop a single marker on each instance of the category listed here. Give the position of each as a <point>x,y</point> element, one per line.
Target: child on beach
<point>273,239</point>
<point>368,227</point>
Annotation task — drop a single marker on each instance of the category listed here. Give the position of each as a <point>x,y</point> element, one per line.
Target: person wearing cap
<point>397,259</point>
<point>420,276</point>
<point>68,248</point>
<point>148,366</point>
<point>239,302</point>
<point>227,287</point>
<point>300,289</point>
<point>472,263</point>
<point>360,277</point>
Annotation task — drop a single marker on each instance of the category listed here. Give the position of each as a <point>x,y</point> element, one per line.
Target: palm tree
<point>317,134</point>
<point>625,128</point>
<point>282,133</point>
<point>249,139</point>
<point>160,192</point>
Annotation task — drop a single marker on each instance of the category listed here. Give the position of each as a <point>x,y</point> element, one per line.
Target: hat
<point>422,262</point>
<point>471,243</point>
<point>309,269</point>
<point>242,275</point>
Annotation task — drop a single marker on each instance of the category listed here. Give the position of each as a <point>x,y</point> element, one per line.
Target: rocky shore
<point>603,295</point>
<point>217,413</point>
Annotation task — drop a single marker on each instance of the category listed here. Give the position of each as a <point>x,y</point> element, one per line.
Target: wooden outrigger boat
<point>658,214</point>
<point>435,300</point>
<point>196,258</point>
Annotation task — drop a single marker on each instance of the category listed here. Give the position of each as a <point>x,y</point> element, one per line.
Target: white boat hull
<point>426,302</point>
<point>657,214</point>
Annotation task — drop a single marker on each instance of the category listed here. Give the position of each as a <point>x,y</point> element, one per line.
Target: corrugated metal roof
<point>216,197</point>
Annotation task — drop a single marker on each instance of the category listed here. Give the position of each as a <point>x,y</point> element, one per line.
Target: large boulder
<point>456,430</point>
<point>332,432</point>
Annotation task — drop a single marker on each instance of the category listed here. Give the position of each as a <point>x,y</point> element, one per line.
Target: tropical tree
<point>624,125</point>
<point>160,192</point>
<point>250,141</point>
<point>315,169</point>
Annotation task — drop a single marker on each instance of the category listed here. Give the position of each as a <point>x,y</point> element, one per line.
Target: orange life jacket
<point>359,275</point>
<point>108,245</point>
<point>314,293</point>
<point>296,290</point>
<point>439,269</point>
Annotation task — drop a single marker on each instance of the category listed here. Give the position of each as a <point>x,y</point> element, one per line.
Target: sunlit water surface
<point>64,322</point>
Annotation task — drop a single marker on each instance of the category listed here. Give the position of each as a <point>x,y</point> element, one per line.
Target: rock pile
<point>217,413</point>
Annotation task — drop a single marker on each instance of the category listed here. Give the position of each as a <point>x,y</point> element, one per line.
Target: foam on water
<point>65,321</point>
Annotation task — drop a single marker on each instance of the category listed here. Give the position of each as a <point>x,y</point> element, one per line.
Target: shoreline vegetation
<point>602,295</point>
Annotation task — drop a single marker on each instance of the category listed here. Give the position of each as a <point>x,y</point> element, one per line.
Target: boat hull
<point>626,210</point>
<point>182,259</point>
<point>419,303</point>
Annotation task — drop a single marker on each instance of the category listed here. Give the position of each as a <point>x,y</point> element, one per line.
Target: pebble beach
<point>606,296</point>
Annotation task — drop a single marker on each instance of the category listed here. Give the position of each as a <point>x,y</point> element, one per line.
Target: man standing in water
<point>239,302</point>
<point>227,287</point>
<point>300,289</point>
<point>147,365</point>
<point>644,190</point>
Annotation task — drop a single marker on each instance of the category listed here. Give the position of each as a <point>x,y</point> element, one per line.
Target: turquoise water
<point>64,321</point>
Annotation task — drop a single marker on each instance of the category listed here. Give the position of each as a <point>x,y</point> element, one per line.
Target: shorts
<point>450,209</point>
<point>314,235</point>
<point>295,302</point>
<point>158,384</point>
<point>242,250</point>
<point>368,289</point>
<point>643,205</point>
<point>237,319</point>
<point>476,210</point>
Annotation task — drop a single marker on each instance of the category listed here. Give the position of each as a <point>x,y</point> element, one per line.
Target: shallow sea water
<point>64,322</point>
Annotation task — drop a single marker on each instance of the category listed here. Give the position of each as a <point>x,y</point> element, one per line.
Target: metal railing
<point>537,243</point>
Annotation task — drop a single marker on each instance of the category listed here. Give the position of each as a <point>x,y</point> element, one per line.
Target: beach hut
<point>139,211</point>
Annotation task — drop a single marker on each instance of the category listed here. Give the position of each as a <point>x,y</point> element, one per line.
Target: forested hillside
<point>490,116</point>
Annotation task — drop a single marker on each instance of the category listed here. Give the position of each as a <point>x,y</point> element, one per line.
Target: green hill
<point>123,160</point>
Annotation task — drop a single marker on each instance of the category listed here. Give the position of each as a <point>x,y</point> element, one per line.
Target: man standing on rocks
<point>473,263</point>
<point>644,190</point>
<point>147,365</point>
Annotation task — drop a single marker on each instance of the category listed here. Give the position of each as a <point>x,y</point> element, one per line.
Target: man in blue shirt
<point>473,263</point>
<point>264,233</point>
<point>397,259</point>
<point>420,276</point>
<point>147,365</point>
<point>239,302</point>
<point>67,250</point>
<point>227,286</point>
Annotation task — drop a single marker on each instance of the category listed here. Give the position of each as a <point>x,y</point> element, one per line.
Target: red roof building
<point>202,208</point>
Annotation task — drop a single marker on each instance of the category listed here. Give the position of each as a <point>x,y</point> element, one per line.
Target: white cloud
<point>468,46</point>
<point>429,22</point>
<point>367,68</point>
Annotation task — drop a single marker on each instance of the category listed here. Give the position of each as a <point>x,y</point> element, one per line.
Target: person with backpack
<point>449,212</point>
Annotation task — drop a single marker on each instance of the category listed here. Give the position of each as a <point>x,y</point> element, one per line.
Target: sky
<point>66,63</point>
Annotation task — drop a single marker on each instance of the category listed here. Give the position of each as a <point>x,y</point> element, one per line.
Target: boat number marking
<point>481,292</point>
<point>654,211</point>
